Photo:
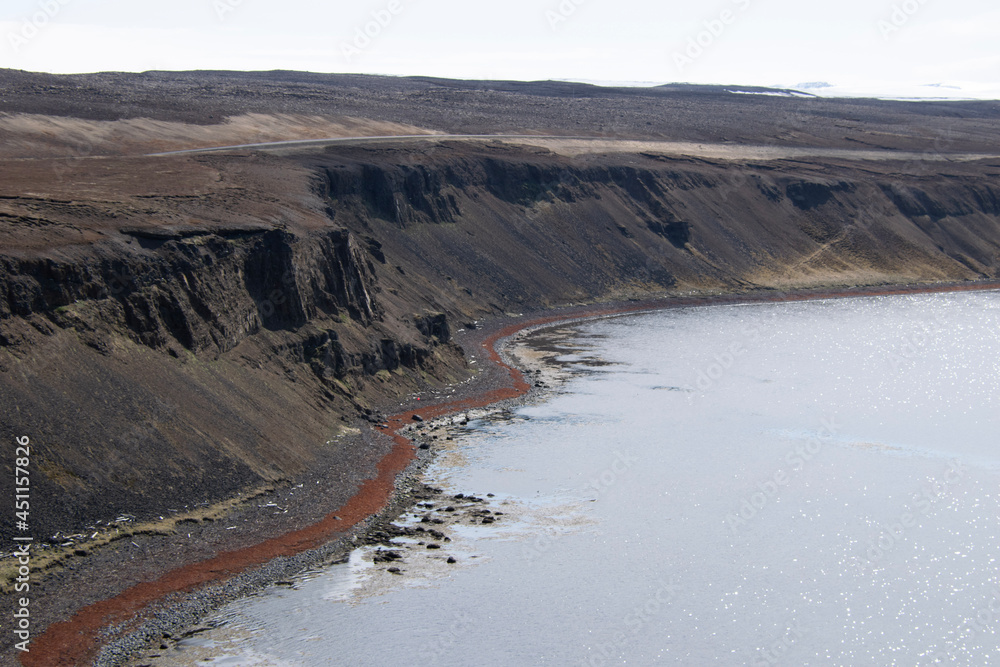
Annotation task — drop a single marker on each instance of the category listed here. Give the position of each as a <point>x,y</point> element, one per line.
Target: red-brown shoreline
<point>77,640</point>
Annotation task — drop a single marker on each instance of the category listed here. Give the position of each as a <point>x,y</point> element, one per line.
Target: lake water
<point>811,483</point>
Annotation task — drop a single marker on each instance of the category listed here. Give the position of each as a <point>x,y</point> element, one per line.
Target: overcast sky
<point>893,47</point>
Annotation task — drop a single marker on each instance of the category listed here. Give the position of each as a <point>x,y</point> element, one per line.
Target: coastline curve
<point>78,640</point>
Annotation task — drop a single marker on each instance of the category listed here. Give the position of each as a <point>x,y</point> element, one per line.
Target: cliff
<point>162,365</point>
<point>522,228</point>
<point>176,329</point>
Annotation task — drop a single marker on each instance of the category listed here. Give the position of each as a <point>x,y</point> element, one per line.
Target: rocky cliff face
<point>165,364</point>
<point>527,228</point>
<point>147,371</point>
<point>207,291</point>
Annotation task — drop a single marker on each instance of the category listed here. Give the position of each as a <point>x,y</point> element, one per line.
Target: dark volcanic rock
<point>240,322</point>
<point>808,195</point>
<point>435,326</point>
<point>205,291</point>
<point>174,330</point>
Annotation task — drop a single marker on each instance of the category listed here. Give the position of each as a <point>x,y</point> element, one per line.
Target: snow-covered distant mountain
<point>930,91</point>
<point>887,91</point>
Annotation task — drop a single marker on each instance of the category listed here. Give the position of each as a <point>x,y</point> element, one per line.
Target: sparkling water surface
<point>809,483</point>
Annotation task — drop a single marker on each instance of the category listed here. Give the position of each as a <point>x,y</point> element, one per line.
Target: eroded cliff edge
<point>193,326</point>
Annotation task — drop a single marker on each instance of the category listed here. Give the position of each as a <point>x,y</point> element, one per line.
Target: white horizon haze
<point>899,48</point>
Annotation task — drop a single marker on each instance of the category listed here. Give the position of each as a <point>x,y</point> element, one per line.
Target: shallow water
<point>806,484</point>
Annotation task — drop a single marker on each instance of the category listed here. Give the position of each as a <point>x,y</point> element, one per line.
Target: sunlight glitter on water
<point>811,483</point>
